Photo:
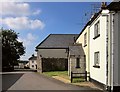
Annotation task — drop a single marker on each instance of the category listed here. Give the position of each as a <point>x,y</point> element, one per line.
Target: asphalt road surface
<point>34,81</point>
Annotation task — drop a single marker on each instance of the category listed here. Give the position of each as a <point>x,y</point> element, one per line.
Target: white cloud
<point>17,9</point>
<point>28,40</point>
<point>30,37</point>
<point>37,12</point>
<point>14,9</point>
<point>20,23</point>
<point>19,13</point>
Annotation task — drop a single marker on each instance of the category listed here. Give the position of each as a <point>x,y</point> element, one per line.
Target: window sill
<point>85,45</point>
<point>96,66</point>
<point>96,36</point>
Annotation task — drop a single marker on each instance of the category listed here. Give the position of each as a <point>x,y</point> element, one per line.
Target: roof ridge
<point>63,34</point>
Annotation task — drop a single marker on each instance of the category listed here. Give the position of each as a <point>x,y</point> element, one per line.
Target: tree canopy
<point>12,49</point>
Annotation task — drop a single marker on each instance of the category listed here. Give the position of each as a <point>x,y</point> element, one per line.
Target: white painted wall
<point>99,44</point>
<point>21,65</point>
<point>80,40</point>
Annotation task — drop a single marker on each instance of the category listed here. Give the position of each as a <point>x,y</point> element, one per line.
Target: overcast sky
<point>36,20</point>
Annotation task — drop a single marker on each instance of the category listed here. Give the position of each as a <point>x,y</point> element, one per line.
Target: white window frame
<point>97,29</point>
<point>97,58</point>
<point>85,39</point>
<point>32,61</point>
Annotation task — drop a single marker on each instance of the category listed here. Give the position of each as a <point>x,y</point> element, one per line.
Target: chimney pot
<point>103,5</point>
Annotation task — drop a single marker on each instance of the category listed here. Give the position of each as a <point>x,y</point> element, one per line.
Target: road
<point>35,81</point>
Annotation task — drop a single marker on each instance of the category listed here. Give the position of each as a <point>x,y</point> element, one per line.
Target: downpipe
<point>107,56</point>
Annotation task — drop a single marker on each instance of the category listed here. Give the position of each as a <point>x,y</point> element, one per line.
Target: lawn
<point>63,74</point>
<point>75,80</point>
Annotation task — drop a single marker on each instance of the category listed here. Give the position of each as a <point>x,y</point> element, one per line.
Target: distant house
<point>32,62</point>
<point>59,49</point>
<point>27,65</point>
<point>21,64</point>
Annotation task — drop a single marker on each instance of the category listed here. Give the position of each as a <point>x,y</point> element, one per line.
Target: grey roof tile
<point>33,58</point>
<point>76,50</point>
<point>58,41</point>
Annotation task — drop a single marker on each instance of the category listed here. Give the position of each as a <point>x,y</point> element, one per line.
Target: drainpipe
<point>89,51</point>
<point>112,49</point>
<point>68,56</point>
<point>110,18</point>
<point>107,52</point>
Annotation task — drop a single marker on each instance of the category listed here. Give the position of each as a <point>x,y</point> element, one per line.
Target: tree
<point>12,49</point>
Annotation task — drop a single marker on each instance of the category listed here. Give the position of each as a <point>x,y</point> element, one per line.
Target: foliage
<point>12,49</point>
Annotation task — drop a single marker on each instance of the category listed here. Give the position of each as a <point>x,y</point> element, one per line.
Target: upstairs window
<point>85,39</point>
<point>97,30</point>
<point>32,61</point>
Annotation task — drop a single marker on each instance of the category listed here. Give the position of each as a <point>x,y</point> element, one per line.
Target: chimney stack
<point>74,39</point>
<point>103,5</point>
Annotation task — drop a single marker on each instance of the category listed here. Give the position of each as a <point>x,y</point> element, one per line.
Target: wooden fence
<point>85,75</point>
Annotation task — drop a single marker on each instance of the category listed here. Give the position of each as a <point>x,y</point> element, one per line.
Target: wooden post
<point>89,76</point>
<point>85,75</point>
<point>71,76</point>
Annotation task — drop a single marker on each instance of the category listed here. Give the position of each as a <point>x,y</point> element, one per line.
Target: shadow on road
<point>9,79</point>
<point>55,91</point>
<point>25,70</point>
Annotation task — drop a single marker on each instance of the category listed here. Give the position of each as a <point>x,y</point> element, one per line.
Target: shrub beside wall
<point>54,64</point>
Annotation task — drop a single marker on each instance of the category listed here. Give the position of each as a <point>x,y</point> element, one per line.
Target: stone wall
<point>73,67</point>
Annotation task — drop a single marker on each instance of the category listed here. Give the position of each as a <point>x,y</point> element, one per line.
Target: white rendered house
<point>102,42</point>
<point>33,62</point>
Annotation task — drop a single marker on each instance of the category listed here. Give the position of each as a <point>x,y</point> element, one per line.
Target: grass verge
<point>63,74</point>
<point>76,80</point>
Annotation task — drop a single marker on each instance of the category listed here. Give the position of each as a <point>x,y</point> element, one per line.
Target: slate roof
<point>76,50</point>
<point>58,41</point>
<point>33,58</point>
<point>23,61</point>
<point>114,6</point>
